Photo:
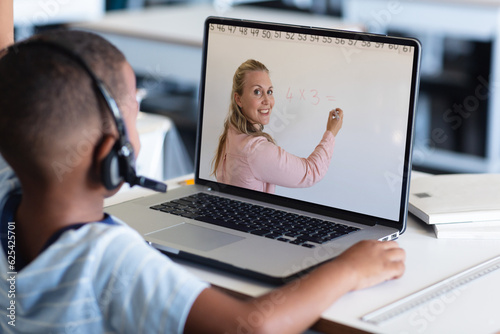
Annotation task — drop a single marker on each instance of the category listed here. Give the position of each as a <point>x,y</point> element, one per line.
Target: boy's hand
<point>372,262</point>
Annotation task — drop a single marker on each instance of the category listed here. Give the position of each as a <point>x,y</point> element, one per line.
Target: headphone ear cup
<point>110,171</point>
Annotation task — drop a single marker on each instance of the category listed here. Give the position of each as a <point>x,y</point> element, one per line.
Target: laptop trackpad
<point>197,237</point>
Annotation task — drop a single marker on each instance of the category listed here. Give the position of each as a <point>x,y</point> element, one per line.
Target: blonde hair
<point>235,117</point>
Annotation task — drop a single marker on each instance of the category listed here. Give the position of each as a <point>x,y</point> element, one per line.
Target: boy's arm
<point>297,305</point>
<point>6,23</point>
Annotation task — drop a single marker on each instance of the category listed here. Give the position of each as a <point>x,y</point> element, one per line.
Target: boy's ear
<point>106,166</point>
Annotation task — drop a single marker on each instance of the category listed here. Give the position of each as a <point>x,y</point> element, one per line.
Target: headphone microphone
<point>119,165</point>
<point>151,184</point>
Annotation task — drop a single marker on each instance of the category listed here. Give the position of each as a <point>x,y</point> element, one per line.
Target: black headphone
<point>119,164</point>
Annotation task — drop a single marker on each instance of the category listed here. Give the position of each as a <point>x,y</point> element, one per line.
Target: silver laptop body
<point>373,78</point>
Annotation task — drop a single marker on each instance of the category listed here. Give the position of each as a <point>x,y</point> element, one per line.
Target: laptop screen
<point>372,78</point>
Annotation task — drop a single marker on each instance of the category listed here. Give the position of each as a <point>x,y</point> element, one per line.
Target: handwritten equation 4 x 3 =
<point>308,95</point>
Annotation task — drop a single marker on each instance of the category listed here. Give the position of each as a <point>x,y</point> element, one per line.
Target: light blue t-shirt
<point>98,278</point>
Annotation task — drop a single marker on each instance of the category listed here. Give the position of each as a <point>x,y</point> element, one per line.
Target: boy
<point>76,268</point>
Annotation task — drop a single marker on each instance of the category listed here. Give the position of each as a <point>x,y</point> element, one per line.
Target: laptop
<point>364,193</point>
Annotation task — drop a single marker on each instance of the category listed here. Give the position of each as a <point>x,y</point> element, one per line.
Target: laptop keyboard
<point>250,218</point>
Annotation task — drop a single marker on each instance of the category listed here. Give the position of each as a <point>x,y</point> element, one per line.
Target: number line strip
<point>266,34</point>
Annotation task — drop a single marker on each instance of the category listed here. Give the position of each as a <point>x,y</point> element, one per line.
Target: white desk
<point>28,13</point>
<point>162,154</point>
<point>166,42</point>
<point>153,131</point>
<point>473,308</point>
<point>34,12</point>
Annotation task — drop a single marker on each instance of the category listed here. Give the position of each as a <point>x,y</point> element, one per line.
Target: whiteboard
<point>372,86</point>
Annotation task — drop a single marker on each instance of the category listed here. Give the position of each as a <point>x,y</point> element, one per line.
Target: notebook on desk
<point>364,193</point>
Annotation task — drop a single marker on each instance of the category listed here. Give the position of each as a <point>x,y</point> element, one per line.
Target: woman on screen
<point>248,157</point>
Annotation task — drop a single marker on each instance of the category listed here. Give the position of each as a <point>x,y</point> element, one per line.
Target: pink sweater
<point>254,163</point>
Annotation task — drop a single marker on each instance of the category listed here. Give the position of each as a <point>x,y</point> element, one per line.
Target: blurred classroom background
<point>458,113</point>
